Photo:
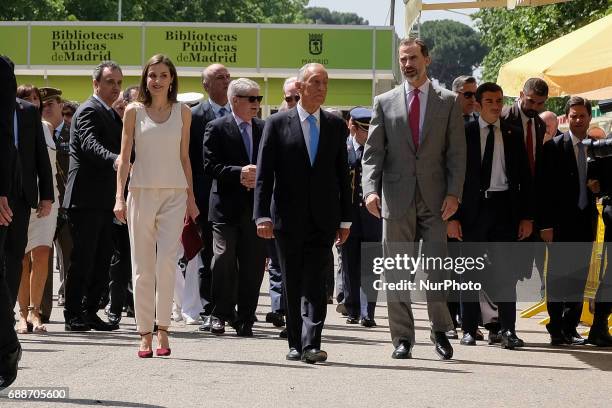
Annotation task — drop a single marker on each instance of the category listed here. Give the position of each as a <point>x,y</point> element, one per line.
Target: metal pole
<point>392,18</point>
<point>119,11</point>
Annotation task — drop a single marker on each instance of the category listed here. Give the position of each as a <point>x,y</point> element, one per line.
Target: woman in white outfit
<point>41,230</point>
<point>160,195</point>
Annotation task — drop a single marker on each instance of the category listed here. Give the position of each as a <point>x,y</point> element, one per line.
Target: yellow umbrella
<point>578,62</point>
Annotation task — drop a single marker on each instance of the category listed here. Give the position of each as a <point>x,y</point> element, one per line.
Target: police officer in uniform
<point>61,136</point>
<point>359,303</point>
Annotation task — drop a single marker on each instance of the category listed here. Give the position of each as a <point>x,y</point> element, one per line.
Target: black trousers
<point>237,269</point>
<point>569,259</point>
<point>277,298</point>
<point>205,272</point>
<point>306,258</point>
<point>496,227</point>
<point>88,276</point>
<point>120,270</point>
<point>8,337</point>
<point>358,303</point>
<point>14,246</point>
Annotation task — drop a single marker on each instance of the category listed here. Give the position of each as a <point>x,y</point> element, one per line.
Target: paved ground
<point>102,369</point>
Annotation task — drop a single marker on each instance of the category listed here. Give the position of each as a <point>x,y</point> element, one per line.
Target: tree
<point>321,15</point>
<point>511,33</point>
<point>455,49</point>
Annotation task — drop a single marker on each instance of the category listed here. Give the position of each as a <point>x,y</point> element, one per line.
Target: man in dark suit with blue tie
<point>215,80</point>
<point>567,217</point>
<point>359,299</point>
<point>95,142</point>
<point>10,349</point>
<point>231,146</point>
<point>302,197</point>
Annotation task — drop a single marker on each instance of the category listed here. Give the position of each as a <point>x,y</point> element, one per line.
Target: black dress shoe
<point>217,326</point>
<point>113,318</point>
<point>600,337</point>
<point>8,367</point>
<point>276,319</point>
<point>403,351</point>
<point>352,320</point>
<point>244,329</point>
<point>367,322</point>
<point>468,340</point>
<point>494,337</point>
<point>340,308</point>
<point>510,341</point>
<point>75,324</point>
<point>452,334</point>
<point>293,355</point>
<point>442,346</point>
<point>558,339</point>
<point>283,334</point>
<point>574,338</point>
<point>478,335</point>
<point>94,321</point>
<point>205,326</point>
<point>314,355</point>
<point>61,300</point>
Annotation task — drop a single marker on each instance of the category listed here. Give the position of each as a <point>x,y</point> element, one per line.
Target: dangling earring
<point>170,89</point>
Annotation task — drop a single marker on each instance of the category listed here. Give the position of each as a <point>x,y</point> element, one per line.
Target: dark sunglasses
<point>292,98</point>
<point>468,95</point>
<point>251,98</point>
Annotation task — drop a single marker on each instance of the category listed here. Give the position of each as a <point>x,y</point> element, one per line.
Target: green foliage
<point>455,49</point>
<point>35,10</point>
<point>321,15</point>
<point>511,33</point>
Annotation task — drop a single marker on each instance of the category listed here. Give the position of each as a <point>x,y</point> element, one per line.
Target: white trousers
<point>187,289</point>
<point>155,223</point>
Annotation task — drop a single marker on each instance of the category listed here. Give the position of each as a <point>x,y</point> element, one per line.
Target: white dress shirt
<point>102,102</point>
<point>499,180</point>
<point>575,142</point>
<point>216,107</point>
<point>424,92</point>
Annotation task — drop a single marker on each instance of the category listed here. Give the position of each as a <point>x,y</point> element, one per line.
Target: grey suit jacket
<point>394,169</point>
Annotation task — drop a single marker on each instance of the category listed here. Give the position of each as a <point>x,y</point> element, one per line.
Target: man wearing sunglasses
<point>231,145</point>
<point>466,86</point>
<point>291,93</point>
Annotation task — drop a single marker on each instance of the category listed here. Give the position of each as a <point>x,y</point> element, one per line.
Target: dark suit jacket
<point>224,157</point>
<point>291,191</point>
<point>512,116</point>
<point>95,142</point>
<point>201,114</point>
<point>36,175</point>
<point>520,184</point>
<point>9,169</point>
<point>365,227</point>
<point>558,192</point>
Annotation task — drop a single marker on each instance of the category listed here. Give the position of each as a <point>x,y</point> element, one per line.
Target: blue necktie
<point>222,112</point>
<point>246,139</point>
<point>314,138</point>
<point>582,177</point>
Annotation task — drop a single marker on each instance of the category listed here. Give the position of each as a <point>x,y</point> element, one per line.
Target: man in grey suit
<point>415,158</point>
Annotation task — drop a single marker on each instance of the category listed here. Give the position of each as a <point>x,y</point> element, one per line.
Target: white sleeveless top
<point>158,151</point>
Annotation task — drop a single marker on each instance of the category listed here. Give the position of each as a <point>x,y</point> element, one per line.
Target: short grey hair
<point>241,86</point>
<point>288,82</point>
<point>302,72</point>
<point>462,80</point>
<point>97,73</point>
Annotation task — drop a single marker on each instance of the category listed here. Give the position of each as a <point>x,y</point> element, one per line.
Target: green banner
<point>85,45</point>
<point>199,47</point>
<point>15,43</point>
<point>336,49</point>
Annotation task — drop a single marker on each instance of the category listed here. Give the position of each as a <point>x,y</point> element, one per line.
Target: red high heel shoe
<point>145,353</point>
<point>162,351</point>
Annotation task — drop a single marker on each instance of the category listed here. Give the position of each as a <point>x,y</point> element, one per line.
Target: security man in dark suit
<point>365,227</point>
<point>10,349</point>
<point>231,146</point>
<point>95,142</point>
<point>524,115</point>
<point>567,218</point>
<point>497,207</point>
<point>215,80</point>
<point>36,189</point>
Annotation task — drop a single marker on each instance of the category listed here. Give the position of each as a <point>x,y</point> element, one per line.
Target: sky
<point>377,11</point>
